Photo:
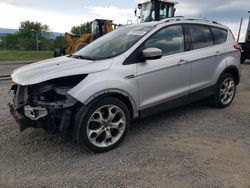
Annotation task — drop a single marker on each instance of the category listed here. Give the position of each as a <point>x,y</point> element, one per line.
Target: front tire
<point>225,91</point>
<point>105,124</point>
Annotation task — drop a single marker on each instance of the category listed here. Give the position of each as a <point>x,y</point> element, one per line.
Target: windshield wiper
<point>82,57</point>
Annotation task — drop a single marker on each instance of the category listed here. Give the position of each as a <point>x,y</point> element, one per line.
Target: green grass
<point>6,55</point>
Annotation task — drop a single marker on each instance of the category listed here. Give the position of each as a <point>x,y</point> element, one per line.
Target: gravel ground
<point>192,146</point>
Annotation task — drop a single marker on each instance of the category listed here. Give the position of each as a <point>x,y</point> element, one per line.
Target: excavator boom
<point>77,42</point>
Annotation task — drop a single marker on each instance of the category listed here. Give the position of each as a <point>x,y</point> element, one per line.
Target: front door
<point>168,78</point>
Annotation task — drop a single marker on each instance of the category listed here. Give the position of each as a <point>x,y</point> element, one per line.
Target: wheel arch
<point>234,71</point>
<point>121,95</point>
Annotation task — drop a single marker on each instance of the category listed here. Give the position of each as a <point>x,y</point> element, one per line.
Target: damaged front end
<point>45,105</point>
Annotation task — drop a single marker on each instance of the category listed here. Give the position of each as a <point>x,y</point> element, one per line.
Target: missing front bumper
<point>21,120</point>
<point>56,120</point>
<point>35,113</point>
<point>43,106</point>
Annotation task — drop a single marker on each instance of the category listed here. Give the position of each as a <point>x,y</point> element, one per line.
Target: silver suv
<point>132,72</point>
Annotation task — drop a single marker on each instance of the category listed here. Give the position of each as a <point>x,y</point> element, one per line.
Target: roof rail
<point>182,18</point>
<point>176,18</point>
<point>203,19</point>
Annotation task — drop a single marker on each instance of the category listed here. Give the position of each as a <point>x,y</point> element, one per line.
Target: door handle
<point>182,62</point>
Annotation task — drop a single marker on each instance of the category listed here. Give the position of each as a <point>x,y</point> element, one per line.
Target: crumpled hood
<point>56,68</point>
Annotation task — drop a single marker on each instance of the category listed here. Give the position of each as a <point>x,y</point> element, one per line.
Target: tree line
<point>37,36</point>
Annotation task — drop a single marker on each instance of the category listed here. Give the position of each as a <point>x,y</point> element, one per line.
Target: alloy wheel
<point>106,126</point>
<point>227,91</point>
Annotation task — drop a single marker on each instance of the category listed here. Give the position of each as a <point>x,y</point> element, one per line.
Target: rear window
<point>220,35</point>
<point>201,36</point>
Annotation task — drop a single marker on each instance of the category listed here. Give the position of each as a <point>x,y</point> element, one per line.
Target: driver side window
<point>170,40</point>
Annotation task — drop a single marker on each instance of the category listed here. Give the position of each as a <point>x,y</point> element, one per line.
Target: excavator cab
<point>101,27</point>
<point>156,10</point>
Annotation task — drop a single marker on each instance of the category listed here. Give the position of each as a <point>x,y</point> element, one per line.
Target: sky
<point>61,15</point>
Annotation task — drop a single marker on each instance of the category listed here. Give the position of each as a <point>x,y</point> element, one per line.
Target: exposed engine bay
<point>45,105</point>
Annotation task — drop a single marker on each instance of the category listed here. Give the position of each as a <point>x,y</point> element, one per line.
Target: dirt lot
<point>193,146</point>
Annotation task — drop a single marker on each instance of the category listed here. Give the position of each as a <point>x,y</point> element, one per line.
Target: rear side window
<point>201,36</point>
<point>220,35</point>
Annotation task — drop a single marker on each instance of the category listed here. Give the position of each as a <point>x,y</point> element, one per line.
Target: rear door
<point>205,56</point>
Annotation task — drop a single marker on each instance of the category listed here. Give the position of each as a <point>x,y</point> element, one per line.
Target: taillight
<point>237,47</point>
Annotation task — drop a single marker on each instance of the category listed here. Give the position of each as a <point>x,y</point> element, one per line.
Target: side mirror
<point>152,53</point>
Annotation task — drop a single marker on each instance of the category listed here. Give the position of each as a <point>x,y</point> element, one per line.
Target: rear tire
<point>224,92</point>
<point>104,125</point>
<point>243,58</point>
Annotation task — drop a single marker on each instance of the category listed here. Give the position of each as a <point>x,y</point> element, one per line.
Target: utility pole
<point>36,32</point>
<point>5,45</point>
<point>37,41</point>
<point>238,38</point>
<point>248,30</point>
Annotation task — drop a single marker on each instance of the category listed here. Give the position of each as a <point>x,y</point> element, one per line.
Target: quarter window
<point>220,35</point>
<point>170,40</point>
<point>201,36</point>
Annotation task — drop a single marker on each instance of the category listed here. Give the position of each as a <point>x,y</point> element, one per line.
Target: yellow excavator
<point>150,10</point>
<point>99,28</point>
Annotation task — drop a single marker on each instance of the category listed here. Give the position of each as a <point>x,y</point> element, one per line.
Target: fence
<point>19,49</point>
<point>31,44</point>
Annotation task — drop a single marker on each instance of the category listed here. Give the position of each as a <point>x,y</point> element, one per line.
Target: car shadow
<point>64,143</point>
<point>163,117</point>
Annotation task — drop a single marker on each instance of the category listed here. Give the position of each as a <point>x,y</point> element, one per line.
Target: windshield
<point>154,12</point>
<point>113,43</point>
<point>95,29</point>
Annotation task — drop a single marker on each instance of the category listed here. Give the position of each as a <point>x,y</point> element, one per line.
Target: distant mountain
<point>7,31</point>
<point>4,31</point>
<point>56,34</point>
